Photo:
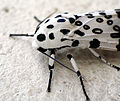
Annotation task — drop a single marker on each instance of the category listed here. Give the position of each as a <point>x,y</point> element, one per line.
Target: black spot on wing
<point>116,28</point>
<point>71,20</point>
<point>118,12</point>
<point>61,20</point>
<point>78,32</point>
<point>51,36</point>
<point>94,44</point>
<point>118,46</point>
<point>115,35</point>
<point>75,43</point>
<point>65,31</point>
<point>97,31</point>
<point>110,22</point>
<point>99,20</point>
<point>50,26</point>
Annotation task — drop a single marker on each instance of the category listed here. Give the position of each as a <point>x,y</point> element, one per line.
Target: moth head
<point>50,32</point>
<point>47,39</point>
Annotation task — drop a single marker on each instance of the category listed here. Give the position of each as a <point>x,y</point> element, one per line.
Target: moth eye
<point>41,37</point>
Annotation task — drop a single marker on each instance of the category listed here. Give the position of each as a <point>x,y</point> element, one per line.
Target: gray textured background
<point>24,72</point>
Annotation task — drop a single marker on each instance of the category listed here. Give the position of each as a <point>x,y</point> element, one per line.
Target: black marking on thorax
<point>41,37</point>
<point>51,36</point>
<point>50,26</point>
<point>61,20</point>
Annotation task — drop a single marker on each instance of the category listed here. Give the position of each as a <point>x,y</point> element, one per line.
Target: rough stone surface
<point>23,70</point>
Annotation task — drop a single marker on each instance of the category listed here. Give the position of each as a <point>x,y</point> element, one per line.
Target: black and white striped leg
<point>70,57</point>
<point>51,68</point>
<point>103,60</point>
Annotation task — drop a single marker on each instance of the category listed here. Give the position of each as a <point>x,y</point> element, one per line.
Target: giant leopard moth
<point>100,30</point>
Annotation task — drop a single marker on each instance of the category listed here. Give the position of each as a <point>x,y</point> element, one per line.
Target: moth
<point>94,30</point>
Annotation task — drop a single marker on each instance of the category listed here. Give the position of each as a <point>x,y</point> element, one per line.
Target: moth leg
<point>26,35</point>
<point>36,18</point>
<point>51,69</point>
<point>103,60</point>
<point>70,57</point>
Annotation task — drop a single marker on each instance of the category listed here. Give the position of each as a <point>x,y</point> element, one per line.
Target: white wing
<point>103,26</point>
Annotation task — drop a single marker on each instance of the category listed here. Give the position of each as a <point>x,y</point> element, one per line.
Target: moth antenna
<point>50,14</point>
<point>27,35</point>
<point>40,21</point>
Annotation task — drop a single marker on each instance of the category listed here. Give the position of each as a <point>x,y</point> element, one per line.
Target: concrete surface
<point>23,70</point>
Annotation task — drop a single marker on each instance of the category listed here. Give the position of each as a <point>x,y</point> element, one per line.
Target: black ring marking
<point>97,31</point>
<point>86,27</point>
<point>78,23</point>
<point>109,22</point>
<point>116,28</point>
<point>99,20</point>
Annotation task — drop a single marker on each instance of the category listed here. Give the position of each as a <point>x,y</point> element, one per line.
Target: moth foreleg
<point>51,69</point>
<point>38,20</point>
<point>70,57</point>
<point>103,60</point>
